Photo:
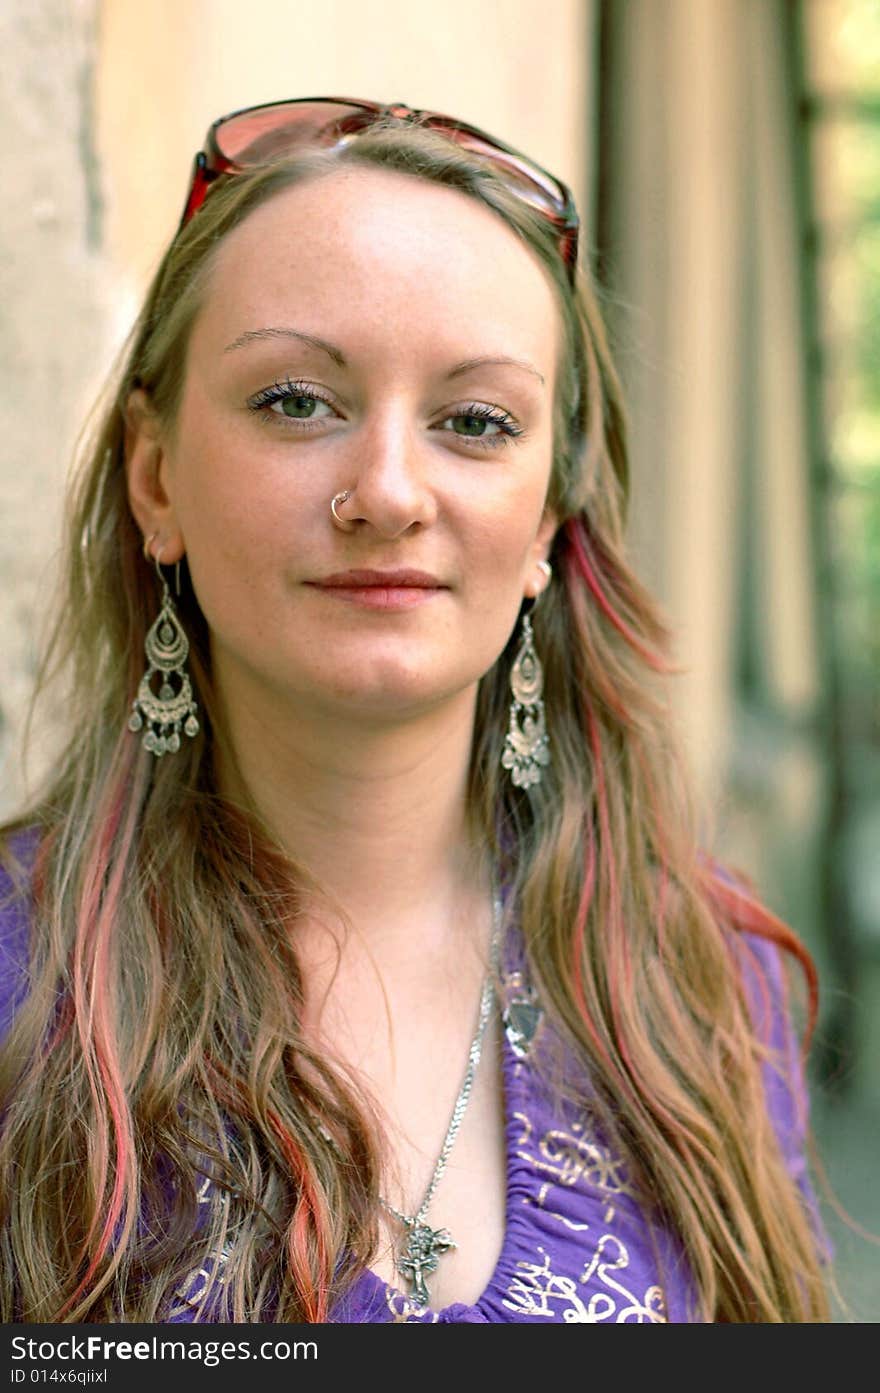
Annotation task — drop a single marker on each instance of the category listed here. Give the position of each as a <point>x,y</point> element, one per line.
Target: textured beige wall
<point>56,293</point>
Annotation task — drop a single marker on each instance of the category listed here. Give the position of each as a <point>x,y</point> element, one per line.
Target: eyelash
<point>261,403</point>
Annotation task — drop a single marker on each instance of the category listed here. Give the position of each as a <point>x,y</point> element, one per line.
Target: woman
<point>361,961</point>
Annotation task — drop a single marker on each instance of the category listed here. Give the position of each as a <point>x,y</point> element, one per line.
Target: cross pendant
<point>423,1247</point>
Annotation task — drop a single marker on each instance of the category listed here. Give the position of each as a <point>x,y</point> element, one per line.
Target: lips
<point>385,580</point>
<point>403,589</point>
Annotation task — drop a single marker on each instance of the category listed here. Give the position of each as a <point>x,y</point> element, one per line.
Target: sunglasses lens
<point>257,137</point>
<point>251,138</point>
<point>532,184</point>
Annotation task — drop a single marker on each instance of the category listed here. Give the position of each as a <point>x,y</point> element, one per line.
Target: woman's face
<point>372,332</point>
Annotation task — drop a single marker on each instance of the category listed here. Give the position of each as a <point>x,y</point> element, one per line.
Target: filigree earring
<point>166,647</point>
<point>527,745</point>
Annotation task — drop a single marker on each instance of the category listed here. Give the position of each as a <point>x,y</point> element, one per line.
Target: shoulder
<point>762,965</point>
<point>762,949</point>
<point>16,864</point>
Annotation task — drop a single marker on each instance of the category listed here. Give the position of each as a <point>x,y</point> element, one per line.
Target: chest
<point>541,1213</point>
<point>470,1198</point>
<point>571,1244</point>
<point>426,1054</point>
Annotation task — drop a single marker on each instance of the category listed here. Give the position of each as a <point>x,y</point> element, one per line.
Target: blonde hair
<point>160,1035</point>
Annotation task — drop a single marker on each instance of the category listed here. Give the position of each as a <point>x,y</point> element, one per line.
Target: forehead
<point>378,254</point>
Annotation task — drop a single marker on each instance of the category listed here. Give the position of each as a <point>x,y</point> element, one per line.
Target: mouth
<point>388,590</point>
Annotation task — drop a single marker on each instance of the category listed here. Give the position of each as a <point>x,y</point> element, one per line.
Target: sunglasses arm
<point>201,181</point>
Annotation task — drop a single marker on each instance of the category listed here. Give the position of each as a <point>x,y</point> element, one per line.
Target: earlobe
<point>542,570</point>
<point>148,498</point>
<point>537,584</point>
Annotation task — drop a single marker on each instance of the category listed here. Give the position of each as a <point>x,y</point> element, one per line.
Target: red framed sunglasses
<point>256,135</point>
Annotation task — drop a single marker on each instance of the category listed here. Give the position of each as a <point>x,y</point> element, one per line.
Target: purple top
<point>577,1246</point>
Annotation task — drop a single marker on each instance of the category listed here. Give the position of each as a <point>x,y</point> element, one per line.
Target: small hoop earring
<point>344,524</point>
<point>166,646</point>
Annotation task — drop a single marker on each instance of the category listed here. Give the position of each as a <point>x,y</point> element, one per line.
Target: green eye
<point>299,407</point>
<point>473,425</point>
<point>297,401</point>
<point>488,425</point>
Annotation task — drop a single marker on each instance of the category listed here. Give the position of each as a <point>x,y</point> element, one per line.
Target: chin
<point>389,693</point>
<point>383,702</point>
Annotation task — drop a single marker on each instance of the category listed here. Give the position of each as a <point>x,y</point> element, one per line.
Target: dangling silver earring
<point>526,745</point>
<point>166,647</point>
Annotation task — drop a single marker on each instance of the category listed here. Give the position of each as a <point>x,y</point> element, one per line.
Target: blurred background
<point>725,155</point>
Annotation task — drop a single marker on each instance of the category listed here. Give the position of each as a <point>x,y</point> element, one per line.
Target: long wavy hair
<point>159,1042</point>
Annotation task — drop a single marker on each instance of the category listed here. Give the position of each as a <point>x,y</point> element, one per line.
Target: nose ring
<point>344,524</point>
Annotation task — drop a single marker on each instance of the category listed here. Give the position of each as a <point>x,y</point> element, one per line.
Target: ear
<point>148,476</point>
<point>537,579</point>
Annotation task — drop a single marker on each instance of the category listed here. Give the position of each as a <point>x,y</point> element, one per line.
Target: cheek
<point>504,534</point>
<point>225,496</point>
<point>231,533</point>
<point>502,556</point>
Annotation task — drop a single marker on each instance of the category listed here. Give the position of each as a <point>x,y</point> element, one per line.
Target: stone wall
<point>55,293</point>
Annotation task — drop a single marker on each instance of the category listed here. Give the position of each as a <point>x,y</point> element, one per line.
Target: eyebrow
<point>338,357</point>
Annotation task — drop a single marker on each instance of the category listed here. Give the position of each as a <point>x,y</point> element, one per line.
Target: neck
<point>374,813</point>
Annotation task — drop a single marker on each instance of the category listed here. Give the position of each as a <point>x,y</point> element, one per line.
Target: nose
<point>390,489</point>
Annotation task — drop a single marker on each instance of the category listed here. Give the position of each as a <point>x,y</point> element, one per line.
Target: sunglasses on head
<point>256,136</point>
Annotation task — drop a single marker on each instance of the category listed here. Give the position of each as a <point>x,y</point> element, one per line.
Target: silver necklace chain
<point>424,1244</point>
